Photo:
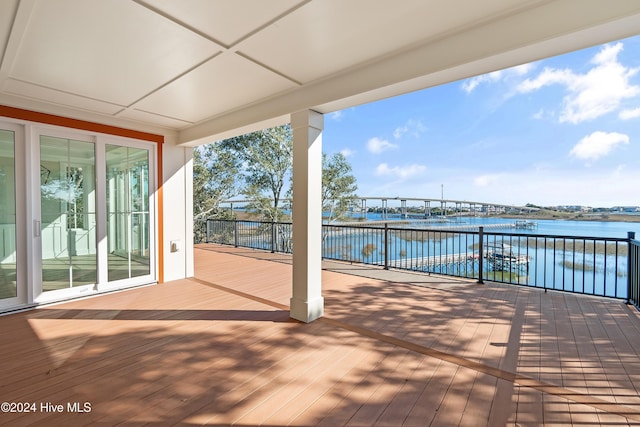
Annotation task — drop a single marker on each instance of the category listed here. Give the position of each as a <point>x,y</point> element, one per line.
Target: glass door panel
<point>8,287</point>
<point>128,214</point>
<point>68,213</point>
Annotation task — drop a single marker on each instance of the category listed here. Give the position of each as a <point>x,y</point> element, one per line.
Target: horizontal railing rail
<point>580,264</point>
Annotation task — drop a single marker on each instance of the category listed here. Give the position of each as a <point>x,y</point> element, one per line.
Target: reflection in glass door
<point>128,225</point>
<point>8,287</point>
<point>68,213</point>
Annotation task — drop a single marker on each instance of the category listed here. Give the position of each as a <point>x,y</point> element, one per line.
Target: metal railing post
<point>235,233</point>
<point>480,254</point>
<point>386,246</point>
<point>631,235</point>
<point>273,237</point>
<point>206,224</point>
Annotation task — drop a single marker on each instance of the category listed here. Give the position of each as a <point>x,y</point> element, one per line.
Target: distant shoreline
<point>572,216</point>
<point>546,215</point>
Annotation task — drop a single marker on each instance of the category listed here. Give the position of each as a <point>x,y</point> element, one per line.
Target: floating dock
<point>526,225</point>
<point>498,260</point>
<point>433,261</point>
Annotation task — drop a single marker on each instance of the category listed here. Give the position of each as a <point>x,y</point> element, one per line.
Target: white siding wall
<point>178,211</point>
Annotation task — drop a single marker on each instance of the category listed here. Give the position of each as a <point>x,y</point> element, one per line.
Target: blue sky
<point>560,131</point>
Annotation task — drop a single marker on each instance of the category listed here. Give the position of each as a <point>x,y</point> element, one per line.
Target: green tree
<point>263,162</point>
<point>266,157</point>
<point>338,186</point>
<point>215,172</point>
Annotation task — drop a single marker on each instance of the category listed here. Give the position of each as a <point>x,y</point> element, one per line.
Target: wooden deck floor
<point>397,349</point>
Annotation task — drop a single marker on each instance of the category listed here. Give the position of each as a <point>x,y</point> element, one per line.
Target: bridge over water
<point>441,206</point>
<point>426,207</point>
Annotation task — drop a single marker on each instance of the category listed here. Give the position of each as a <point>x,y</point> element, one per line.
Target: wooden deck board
<point>394,350</point>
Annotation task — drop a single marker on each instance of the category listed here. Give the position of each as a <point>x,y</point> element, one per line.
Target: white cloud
<point>598,144</point>
<point>547,77</point>
<point>336,115</point>
<point>377,145</point>
<point>589,187</point>
<point>397,134</point>
<point>469,85</point>
<point>609,53</point>
<point>590,95</point>
<point>523,69</point>
<point>402,172</point>
<point>629,114</point>
<point>347,152</point>
<point>485,180</point>
<point>542,184</point>
<point>414,128</point>
<point>539,115</point>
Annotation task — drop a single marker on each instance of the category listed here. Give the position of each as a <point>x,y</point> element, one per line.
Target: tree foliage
<point>259,166</point>
<point>215,174</point>
<point>266,157</point>
<point>338,186</point>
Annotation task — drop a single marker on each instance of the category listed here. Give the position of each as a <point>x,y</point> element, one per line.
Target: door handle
<point>36,228</point>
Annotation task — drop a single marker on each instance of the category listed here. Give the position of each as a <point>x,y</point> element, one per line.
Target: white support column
<point>307,303</point>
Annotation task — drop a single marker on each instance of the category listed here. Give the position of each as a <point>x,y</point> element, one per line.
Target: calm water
<point>573,264</point>
<point>558,227</point>
<point>590,268</point>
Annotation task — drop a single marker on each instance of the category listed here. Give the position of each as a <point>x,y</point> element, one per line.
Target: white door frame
<point>22,293</point>
<point>28,211</point>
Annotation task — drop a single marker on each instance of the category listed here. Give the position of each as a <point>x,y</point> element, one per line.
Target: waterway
<point>581,263</point>
<point>590,228</point>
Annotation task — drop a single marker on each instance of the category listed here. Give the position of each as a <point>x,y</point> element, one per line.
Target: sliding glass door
<point>8,253</point>
<point>68,213</point>
<point>128,212</point>
<point>77,213</point>
<point>96,216</point>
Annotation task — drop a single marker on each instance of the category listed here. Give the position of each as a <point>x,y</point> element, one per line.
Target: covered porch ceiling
<point>204,70</point>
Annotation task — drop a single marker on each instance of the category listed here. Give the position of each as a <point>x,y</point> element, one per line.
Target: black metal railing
<point>589,265</point>
<point>633,275</point>
<point>272,236</point>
